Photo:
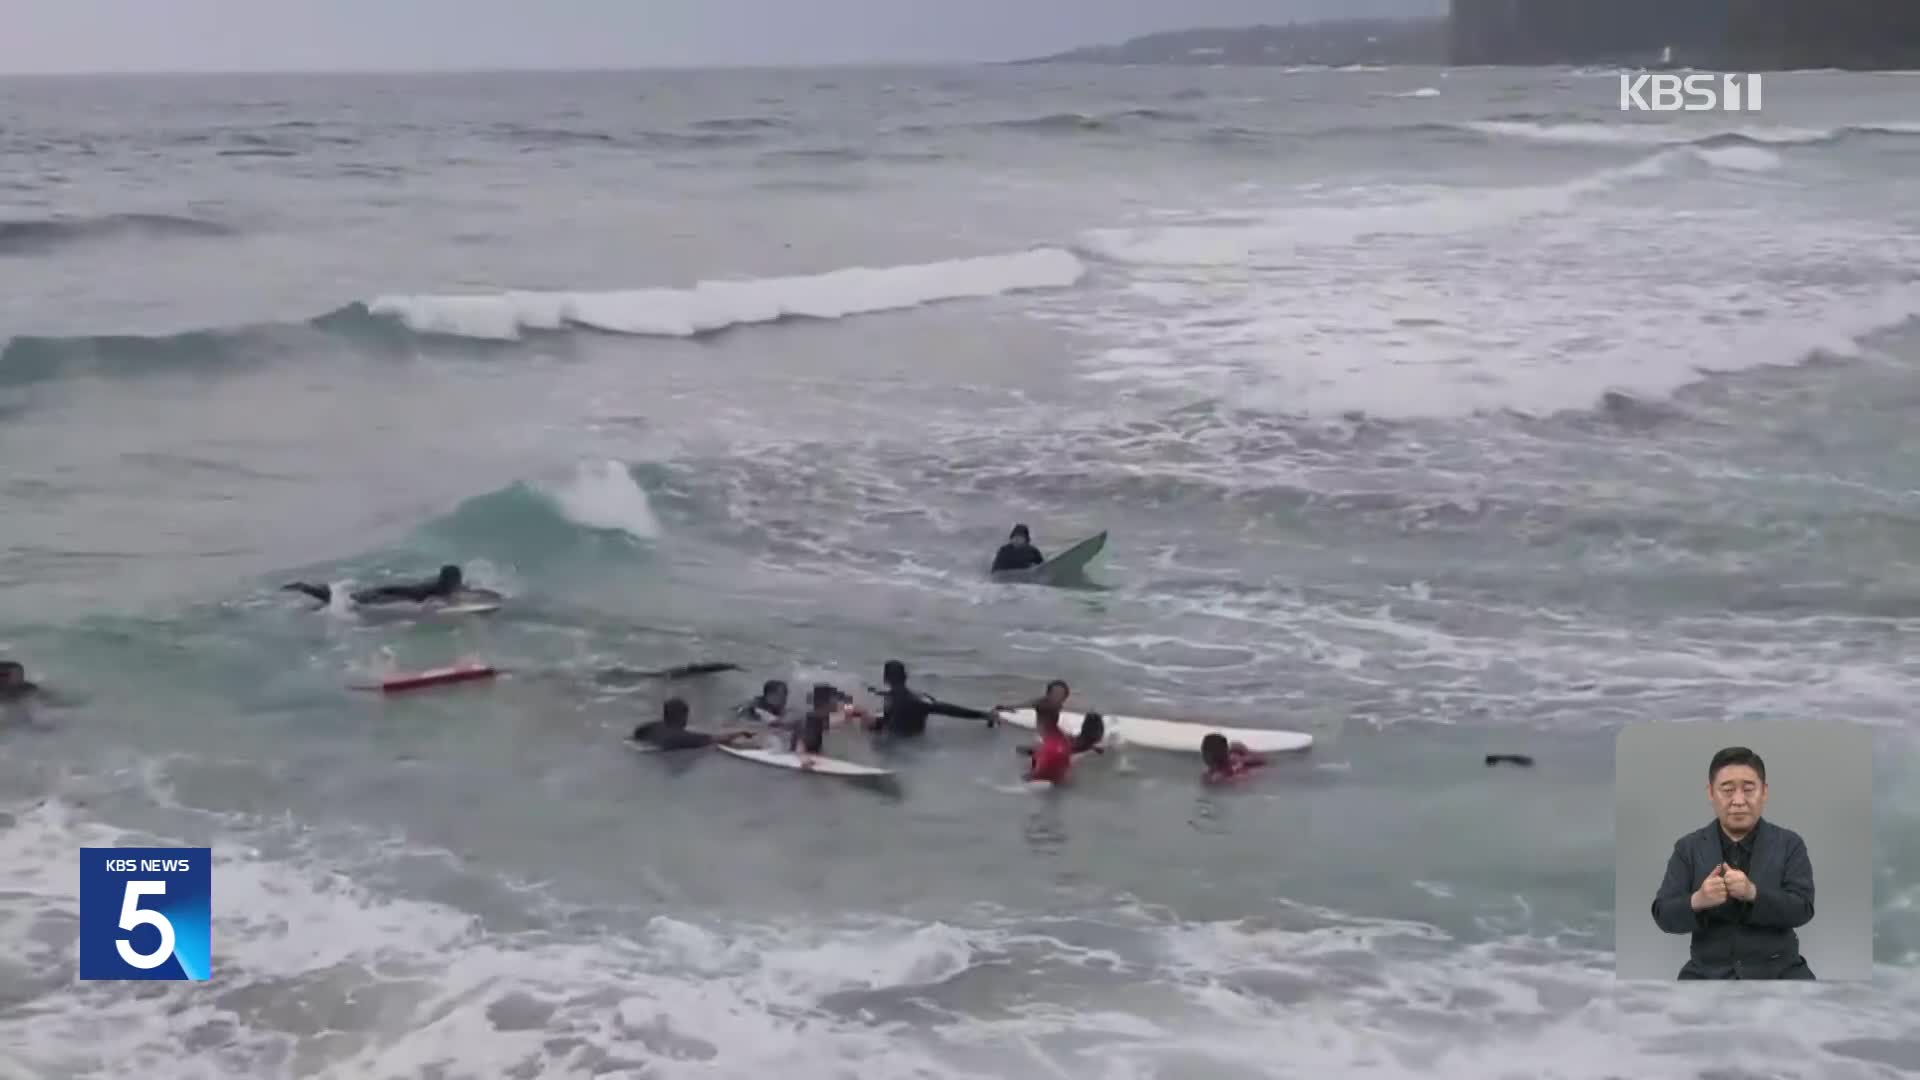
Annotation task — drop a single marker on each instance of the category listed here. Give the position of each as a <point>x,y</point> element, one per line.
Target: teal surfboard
<point>1067,567</point>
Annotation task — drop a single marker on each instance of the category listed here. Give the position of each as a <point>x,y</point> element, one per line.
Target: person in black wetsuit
<point>770,707</point>
<point>904,711</point>
<point>1018,553</point>
<point>670,731</point>
<point>444,586</point>
<point>14,685</point>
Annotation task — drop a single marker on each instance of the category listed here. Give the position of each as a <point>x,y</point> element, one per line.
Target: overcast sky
<point>309,35</point>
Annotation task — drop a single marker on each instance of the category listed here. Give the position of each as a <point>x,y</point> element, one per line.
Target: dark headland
<point>1728,35</point>
<point>1334,43</point>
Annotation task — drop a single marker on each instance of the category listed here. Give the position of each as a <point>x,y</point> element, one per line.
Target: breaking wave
<point>401,322</point>
<point>1665,134</point>
<point>713,306</point>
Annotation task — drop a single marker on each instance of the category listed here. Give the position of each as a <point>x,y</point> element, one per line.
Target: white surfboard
<point>803,763</point>
<point>432,610</point>
<point>1174,735</point>
<point>639,747</point>
<point>1066,566</point>
<point>477,608</point>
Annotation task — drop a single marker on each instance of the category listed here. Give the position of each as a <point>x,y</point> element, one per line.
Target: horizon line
<point>500,69</point>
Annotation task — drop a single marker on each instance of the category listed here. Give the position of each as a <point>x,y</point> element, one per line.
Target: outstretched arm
<point>1791,905</point>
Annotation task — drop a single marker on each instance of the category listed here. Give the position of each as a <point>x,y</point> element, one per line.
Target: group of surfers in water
<point>903,714</point>
<point>903,711</point>
<point>450,585</point>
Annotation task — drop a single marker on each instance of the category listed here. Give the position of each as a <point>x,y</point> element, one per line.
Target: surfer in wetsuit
<point>14,685</point>
<point>770,707</point>
<point>904,711</point>
<point>1018,553</point>
<point>670,731</point>
<point>443,586</point>
<point>1227,762</point>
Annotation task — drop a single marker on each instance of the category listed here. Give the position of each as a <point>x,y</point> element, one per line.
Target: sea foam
<point>717,305</point>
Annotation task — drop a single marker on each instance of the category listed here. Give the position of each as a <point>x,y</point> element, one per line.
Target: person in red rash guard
<point>1053,757</point>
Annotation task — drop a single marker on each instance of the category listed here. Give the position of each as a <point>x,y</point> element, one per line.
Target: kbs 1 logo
<point>1661,92</point>
<point>146,913</point>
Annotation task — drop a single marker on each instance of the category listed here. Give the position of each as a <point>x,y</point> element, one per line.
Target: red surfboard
<point>419,680</point>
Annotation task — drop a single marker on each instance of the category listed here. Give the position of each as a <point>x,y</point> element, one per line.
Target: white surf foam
<point>604,495</point>
<point>1741,158</point>
<point>316,974</point>
<point>1423,92</point>
<point>1658,133</point>
<point>1414,303</point>
<point>717,305</point>
<point>1533,1007</point>
<point>340,599</point>
<point>1287,232</point>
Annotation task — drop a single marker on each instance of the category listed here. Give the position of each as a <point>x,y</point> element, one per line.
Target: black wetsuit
<point>1013,556</point>
<point>905,712</point>
<point>416,593</point>
<point>18,692</point>
<point>659,734</point>
<point>17,687</point>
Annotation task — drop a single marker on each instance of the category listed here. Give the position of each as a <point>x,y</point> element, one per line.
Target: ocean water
<point>1434,412</point>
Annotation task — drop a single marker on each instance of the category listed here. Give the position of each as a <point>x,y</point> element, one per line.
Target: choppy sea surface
<point>1436,412</point>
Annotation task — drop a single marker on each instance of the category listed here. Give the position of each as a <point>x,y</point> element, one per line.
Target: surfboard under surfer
<point>448,584</point>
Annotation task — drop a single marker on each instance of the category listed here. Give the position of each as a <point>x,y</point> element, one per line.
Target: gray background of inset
<point>1820,780</point>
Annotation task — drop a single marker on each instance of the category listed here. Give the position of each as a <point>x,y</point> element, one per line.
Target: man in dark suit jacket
<point>1740,886</point>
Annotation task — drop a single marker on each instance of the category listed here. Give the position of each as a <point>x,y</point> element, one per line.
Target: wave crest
<point>1573,133</point>
<point>390,323</point>
<point>712,306</point>
<point>32,235</point>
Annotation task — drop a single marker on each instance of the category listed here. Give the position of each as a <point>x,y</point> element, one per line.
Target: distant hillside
<point>1731,35</point>
<point>1335,43</point>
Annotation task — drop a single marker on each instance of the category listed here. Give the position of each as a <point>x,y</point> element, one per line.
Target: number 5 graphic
<point>132,915</point>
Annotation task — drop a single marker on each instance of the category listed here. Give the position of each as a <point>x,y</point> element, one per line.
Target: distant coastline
<point>1334,43</point>
<point>1754,35</point>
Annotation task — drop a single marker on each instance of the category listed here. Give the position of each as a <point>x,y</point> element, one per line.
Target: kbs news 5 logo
<point>146,913</point>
